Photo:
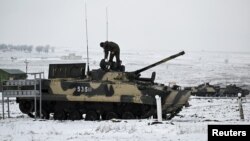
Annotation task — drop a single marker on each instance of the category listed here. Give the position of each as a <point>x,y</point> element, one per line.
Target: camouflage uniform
<point>114,51</point>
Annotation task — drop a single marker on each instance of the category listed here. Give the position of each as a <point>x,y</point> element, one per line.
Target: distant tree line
<point>26,48</point>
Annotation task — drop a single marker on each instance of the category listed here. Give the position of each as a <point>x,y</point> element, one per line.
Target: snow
<point>190,124</point>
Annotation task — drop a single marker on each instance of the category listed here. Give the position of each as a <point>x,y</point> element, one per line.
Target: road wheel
<point>169,116</point>
<point>92,116</point>
<point>173,114</point>
<point>26,107</point>
<point>45,114</point>
<point>111,115</point>
<point>164,116</point>
<point>128,115</point>
<point>59,115</point>
<point>31,115</point>
<point>75,115</point>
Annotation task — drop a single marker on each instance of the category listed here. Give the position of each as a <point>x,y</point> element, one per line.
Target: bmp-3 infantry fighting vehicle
<point>209,90</point>
<point>205,89</point>
<point>104,93</point>
<point>233,90</point>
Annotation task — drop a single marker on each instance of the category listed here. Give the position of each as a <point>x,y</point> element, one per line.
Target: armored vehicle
<point>214,90</point>
<point>105,93</point>
<point>206,89</point>
<point>233,90</point>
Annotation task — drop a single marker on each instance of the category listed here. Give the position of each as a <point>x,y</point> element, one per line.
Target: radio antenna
<point>86,26</point>
<point>107,27</point>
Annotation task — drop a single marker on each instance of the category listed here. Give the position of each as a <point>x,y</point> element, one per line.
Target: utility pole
<point>107,24</point>
<point>86,26</point>
<point>26,65</point>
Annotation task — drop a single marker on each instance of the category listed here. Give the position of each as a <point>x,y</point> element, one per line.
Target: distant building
<point>11,74</point>
<point>71,56</point>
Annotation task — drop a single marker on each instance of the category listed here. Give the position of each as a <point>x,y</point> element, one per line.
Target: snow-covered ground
<point>189,70</point>
<point>189,125</point>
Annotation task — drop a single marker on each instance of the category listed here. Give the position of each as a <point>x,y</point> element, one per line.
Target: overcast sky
<point>134,24</point>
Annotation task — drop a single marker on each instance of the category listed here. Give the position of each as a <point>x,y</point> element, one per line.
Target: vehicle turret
<point>110,71</point>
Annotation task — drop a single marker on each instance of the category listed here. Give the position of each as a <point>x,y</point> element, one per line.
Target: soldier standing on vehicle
<point>114,50</point>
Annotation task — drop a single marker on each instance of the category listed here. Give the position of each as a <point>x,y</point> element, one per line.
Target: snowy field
<point>189,70</point>
<point>189,125</point>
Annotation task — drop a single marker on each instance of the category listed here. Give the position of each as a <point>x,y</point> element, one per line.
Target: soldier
<point>114,50</point>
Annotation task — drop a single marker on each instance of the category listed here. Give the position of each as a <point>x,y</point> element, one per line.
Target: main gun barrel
<point>159,62</point>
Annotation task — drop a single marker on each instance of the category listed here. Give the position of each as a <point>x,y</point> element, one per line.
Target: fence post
<point>158,105</point>
<point>40,92</point>
<point>8,104</point>
<point>3,104</point>
<point>240,106</point>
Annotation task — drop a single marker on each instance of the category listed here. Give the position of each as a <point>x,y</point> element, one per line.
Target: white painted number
<point>83,89</point>
<point>78,89</point>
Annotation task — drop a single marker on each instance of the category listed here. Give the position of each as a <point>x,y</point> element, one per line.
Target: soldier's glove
<point>106,60</point>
